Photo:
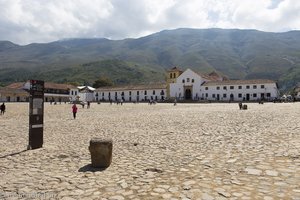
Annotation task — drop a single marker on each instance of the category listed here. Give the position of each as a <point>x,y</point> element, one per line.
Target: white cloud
<point>26,21</point>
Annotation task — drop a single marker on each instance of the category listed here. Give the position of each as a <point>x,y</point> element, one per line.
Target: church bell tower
<point>171,77</point>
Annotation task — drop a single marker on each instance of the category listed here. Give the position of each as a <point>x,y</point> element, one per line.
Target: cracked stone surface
<point>188,151</point>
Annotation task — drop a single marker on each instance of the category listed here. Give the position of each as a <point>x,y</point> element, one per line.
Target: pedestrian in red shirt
<point>74,110</point>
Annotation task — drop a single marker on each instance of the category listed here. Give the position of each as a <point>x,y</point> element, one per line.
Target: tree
<point>102,82</point>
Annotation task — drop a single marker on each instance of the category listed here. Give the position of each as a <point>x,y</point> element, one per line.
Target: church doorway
<point>188,93</point>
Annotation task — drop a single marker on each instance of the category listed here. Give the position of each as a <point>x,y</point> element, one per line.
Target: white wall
<point>136,95</point>
<point>86,96</point>
<point>240,94</point>
<point>73,93</point>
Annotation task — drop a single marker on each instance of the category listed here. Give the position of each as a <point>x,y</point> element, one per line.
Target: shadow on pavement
<point>12,154</point>
<point>89,168</point>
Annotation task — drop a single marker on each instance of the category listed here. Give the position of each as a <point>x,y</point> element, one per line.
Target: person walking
<point>2,108</point>
<point>74,110</point>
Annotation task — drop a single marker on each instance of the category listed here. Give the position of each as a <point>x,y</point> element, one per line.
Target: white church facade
<point>193,86</point>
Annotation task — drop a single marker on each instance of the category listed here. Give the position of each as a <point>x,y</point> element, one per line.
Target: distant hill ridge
<point>239,54</point>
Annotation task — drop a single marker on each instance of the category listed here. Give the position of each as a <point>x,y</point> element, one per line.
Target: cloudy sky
<point>27,21</point>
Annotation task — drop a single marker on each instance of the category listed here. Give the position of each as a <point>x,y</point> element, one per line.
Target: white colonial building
<point>54,92</point>
<point>239,90</point>
<point>132,93</point>
<point>193,86</point>
<point>86,93</point>
<point>189,85</point>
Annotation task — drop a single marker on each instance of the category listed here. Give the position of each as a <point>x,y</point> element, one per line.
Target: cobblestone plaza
<point>188,151</point>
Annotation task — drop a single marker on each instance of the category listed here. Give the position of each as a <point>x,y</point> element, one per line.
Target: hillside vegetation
<point>239,54</point>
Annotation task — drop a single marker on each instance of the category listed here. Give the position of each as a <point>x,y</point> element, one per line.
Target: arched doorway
<point>188,94</point>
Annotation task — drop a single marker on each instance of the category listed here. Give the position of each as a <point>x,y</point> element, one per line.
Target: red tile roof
<point>6,90</point>
<point>48,85</point>
<point>18,85</point>
<point>175,69</point>
<point>238,82</point>
<point>133,87</point>
<point>59,86</point>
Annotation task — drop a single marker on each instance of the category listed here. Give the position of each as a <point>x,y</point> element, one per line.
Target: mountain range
<point>238,54</point>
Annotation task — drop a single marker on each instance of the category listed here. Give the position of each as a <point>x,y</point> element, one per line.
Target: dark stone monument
<point>36,114</point>
<point>101,152</point>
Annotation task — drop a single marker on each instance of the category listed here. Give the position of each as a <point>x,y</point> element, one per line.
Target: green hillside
<point>239,54</point>
<point>119,72</point>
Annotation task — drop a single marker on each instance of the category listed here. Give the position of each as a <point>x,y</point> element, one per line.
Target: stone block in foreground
<point>101,152</point>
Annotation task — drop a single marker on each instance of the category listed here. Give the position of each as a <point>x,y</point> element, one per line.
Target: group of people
<point>151,102</point>
<point>118,102</point>
<point>2,109</point>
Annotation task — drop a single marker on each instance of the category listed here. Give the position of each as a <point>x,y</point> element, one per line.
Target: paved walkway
<point>188,151</point>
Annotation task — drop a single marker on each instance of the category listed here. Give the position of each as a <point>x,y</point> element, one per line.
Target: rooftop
<point>133,87</point>
<point>12,90</point>
<point>48,85</point>
<point>238,82</point>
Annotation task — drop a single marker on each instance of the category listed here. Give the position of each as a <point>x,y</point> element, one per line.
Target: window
<point>254,86</point>
<point>183,81</point>
<point>206,95</point>
<point>240,87</point>
<point>103,94</point>
<point>231,87</point>
<point>254,95</point>
<point>72,93</point>
<point>153,92</point>
<point>174,75</point>
<point>213,96</point>
<point>218,88</point>
<point>262,86</point>
<point>162,92</point>
<point>224,95</point>
<point>206,88</point>
<point>138,92</point>
<point>188,80</point>
<point>240,95</point>
<point>224,88</point>
<point>129,92</point>
<point>145,93</point>
<point>268,94</point>
<point>116,93</point>
<point>171,75</point>
<point>193,80</point>
<point>122,94</point>
<point>247,87</point>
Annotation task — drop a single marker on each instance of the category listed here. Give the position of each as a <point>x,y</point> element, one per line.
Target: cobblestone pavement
<point>188,151</point>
